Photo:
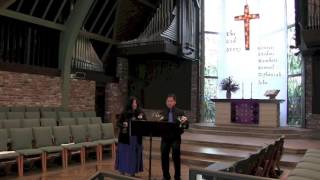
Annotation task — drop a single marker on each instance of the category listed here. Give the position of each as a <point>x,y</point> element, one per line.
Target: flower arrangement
<point>229,85</point>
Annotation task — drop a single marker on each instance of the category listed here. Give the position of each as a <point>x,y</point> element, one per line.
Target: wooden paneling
<point>269,113</point>
<point>223,113</point>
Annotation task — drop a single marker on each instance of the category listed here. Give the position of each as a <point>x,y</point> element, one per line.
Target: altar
<point>259,112</point>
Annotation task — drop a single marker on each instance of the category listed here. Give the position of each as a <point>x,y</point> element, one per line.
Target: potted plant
<point>230,86</point>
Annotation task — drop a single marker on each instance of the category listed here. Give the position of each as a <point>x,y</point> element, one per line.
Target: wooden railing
<point>198,173</point>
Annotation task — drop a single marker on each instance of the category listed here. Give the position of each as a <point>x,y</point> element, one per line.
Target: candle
<point>242,90</point>
<point>251,90</point>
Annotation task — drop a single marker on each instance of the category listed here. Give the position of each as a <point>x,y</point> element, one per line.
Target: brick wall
<point>116,93</point>
<point>21,89</point>
<point>312,120</point>
<point>193,114</point>
<point>82,95</point>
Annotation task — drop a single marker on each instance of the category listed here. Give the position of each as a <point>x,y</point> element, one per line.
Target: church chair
<point>83,120</point>
<point>77,114</point>
<point>59,109</point>
<point>108,138</point>
<point>4,109</point>
<point>80,136</point>
<point>29,123</point>
<point>6,156</point>
<point>95,135</point>
<point>314,151</point>
<point>18,109</point>
<point>246,166</point>
<point>3,115</point>
<point>311,159</point>
<point>303,174</point>
<point>15,115</point>
<point>32,109</point>
<point>44,141</point>
<point>49,114</point>
<point>268,160</point>
<point>90,114</point>
<point>12,123</point>
<point>259,167</point>
<point>32,115</point>
<point>275,166</point>
<point>46,109</point>
<point>95,120</point>
<point>62,136</point>
<point>48,122</point>
<point>67,121</point>
<point>63,114</point>
<point>308,165</point>
<point>21,140</point>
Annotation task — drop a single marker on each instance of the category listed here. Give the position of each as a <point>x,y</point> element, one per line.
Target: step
<point>244,134</point>
<point>255,129</point>
<point>187,160</point>
<point>221,154</point>
<point>230,145</point>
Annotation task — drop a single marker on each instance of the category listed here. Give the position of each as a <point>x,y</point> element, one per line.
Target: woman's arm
<point>141,113</point>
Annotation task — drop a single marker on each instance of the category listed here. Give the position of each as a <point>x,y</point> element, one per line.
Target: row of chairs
<point>264,163</point>
<point>46,142</point>
<point>308,168</point>
<point>26,123</point>
<point>29,109</point>
<point>45,114</point>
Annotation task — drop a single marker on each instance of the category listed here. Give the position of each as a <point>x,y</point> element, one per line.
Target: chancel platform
<point>260,112</point>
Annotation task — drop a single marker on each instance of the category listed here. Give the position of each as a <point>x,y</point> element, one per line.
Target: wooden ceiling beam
<point>147,3</point>
<point>51,25</point>
<point>97,37</point>
<point>4,4</point>
<point>31,19</point>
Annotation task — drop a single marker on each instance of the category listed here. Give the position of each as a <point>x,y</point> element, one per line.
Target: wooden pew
<point>264,163</point>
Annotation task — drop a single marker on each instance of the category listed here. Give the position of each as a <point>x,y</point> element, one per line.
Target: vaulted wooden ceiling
<point>107,21</point>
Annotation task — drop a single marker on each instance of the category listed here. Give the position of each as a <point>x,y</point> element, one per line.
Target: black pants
<point>166,146</point>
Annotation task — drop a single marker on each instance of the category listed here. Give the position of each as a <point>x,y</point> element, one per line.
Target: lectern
<point>152,129</point>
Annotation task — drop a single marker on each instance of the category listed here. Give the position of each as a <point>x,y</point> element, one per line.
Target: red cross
<point>246,17</point>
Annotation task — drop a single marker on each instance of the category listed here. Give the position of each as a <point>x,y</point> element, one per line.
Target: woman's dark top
<point>126,117</point>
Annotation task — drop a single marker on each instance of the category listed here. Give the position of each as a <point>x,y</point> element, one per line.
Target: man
<point>172,140</point>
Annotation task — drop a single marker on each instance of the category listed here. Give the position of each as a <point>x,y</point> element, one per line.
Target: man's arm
<point>182,113</point>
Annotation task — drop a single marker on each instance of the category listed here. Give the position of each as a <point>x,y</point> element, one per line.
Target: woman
<point>129,152</point>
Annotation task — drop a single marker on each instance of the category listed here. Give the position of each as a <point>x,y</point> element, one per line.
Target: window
<point>216,27</point>
<point>212,37</point>
<point>294,71</point>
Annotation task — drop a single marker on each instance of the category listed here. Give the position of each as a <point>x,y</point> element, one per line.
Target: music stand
<point>151,129</point>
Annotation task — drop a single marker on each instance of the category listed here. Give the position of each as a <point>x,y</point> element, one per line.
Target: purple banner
<point>245,111</point>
